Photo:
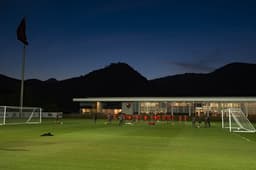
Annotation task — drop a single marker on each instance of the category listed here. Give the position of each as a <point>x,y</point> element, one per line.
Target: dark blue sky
<point>155,37</point>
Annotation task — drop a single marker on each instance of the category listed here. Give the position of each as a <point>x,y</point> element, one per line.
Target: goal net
<point>235,120</point>
<point>18,115</point>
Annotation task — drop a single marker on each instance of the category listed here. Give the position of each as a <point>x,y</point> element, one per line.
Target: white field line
<point>244,138</point>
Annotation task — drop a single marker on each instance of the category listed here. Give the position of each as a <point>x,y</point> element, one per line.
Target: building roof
<point>171,99</point>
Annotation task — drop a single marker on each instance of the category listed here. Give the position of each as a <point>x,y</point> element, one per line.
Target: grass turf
<point>80,144</point>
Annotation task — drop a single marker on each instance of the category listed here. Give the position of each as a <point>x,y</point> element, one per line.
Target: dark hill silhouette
<point>117,79</point>
<point>178,85</point>
<point>120,80</point>
<point>9,90</point>
<point>235,79</point>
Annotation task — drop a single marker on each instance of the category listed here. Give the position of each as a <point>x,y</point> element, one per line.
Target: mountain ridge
<point>121,80</point>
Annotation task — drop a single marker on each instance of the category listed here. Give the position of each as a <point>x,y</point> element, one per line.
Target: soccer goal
<point>17,115</point>
<point>235,120</point>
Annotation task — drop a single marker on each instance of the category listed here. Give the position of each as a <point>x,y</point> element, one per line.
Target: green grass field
<point>79,144</point>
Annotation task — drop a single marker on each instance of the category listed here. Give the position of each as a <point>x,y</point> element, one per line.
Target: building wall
<point>128,107</point>
<point>173,108</point>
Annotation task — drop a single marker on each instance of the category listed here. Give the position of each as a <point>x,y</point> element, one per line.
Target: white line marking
<point>248,140</point>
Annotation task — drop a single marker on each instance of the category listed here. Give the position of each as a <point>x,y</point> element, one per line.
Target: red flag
<point>21,32</point>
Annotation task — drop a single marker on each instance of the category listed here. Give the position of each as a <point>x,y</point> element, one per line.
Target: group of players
<point>197,120</point>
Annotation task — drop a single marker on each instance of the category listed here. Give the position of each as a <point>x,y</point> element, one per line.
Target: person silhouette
<point>121,119</point>
<point>95,118</point>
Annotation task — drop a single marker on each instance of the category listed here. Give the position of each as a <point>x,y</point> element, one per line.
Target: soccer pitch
<point>81,144</point>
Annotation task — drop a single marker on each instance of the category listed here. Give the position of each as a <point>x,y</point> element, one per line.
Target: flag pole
<point>22,78</point>
<point>21,35</point>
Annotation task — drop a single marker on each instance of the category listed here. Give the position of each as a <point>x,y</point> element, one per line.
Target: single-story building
<point>166,105</point>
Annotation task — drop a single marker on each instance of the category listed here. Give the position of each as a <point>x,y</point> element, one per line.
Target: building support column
<point>189,109</point>
<point>246,109</point>
<point>172,109</point>
<point>98,107</point>
<point>138,108</point>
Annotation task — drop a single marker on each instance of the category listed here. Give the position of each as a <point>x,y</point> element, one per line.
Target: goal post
<point>236,121</point>
<point>20,115</point>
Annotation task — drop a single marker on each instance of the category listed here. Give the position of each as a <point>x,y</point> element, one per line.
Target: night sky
<point>155,37</point>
